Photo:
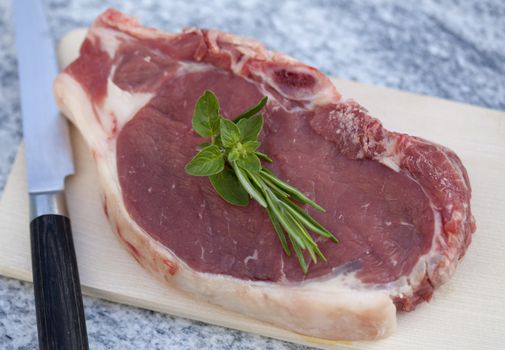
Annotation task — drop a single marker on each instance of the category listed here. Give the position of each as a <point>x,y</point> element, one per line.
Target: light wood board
<point>466,313</point>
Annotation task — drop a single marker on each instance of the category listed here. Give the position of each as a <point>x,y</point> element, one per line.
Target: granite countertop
<point>451,49</point>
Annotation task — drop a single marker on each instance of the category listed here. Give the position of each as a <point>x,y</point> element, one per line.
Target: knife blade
<point>58,300</point>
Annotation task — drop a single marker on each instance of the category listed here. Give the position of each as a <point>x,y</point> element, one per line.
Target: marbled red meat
<point>383,218</point>
<point>400,205</point>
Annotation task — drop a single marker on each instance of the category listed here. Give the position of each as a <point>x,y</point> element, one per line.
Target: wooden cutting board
<point>466,313</point>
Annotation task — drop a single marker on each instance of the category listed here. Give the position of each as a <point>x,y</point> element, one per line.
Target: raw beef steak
<point>400,205</point>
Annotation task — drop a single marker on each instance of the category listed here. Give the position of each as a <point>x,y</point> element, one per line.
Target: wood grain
<point>466,313</point>
<point>58,299</point>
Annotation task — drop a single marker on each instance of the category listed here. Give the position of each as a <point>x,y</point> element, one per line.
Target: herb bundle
<point>232,162</point>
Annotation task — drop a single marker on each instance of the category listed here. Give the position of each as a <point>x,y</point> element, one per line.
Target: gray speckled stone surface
<point>451,49</point>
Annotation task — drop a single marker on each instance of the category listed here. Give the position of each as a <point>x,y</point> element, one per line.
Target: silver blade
<point>47,143</point>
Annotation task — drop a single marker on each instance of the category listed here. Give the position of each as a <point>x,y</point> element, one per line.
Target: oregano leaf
<point>206,117</point>
<point>208,161</point>
<point>229,188</point>
<point>253,110</point>
<point>250,127</point>
<point>229,132</point>
<point>250,162</point>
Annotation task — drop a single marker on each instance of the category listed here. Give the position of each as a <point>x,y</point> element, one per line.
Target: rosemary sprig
<point>232,162</point>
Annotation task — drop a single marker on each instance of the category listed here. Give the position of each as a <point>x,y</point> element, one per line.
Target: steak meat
<point>400,205</point>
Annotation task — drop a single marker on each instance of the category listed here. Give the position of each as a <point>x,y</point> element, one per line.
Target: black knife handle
<point>58,300</point>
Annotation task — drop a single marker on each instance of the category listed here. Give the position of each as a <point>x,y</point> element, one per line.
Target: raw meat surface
<point>400,205</point>
<point>383,218</point>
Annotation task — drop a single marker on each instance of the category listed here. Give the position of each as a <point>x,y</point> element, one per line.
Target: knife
<point>58,300</point>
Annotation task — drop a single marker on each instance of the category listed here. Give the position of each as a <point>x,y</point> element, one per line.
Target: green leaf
<point>280,232</point>
<point>251,162</point>
<point>208,161</point>
<point>256,180</point>
<point>251,146</point>
<point>253,110</point>
<point>264,156</point>
<point>229,188</point>
<point>206,115</point>
<point>275,189</point>
<point>244,150</point>
<point>308,220</point>
<point>299,255</point>
<point>230,133</point>
<point>250,127</point>
<point>234,155</point>
<point>248,186</point>
<point>288,226</point>
<point>304,235</point>
<point>320,253</point>
<point>217,141</point>
<point>291,190</point>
